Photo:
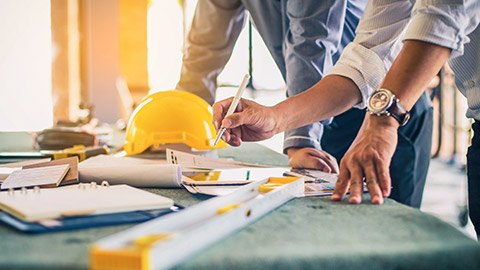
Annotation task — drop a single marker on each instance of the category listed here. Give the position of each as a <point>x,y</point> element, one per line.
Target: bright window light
<point>25,65</point>
<point>164,41</point>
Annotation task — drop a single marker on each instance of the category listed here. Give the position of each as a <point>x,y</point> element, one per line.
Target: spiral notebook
<point>83,199</point>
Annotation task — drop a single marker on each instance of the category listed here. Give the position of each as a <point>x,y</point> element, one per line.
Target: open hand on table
<point>250,122</point>
<point>311,158</point>
<point>368,158</point>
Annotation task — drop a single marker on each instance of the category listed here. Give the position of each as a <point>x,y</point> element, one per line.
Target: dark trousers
<point>473,172</point>
<point>409,166</point>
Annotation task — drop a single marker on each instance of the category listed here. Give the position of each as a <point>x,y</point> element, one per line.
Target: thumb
<point>234,120</point>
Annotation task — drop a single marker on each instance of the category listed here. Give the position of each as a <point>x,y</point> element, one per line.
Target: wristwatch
<point>384,102</point>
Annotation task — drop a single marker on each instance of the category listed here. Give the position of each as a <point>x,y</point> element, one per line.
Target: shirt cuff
<point>363,67</point>
<point>306,136</point>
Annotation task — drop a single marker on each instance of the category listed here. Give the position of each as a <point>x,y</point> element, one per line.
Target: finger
<point>219,110</point>
<point>372,182</point>
<point>334,164</point>
<point>236,135</point>
<point>356,183</point>
<point>319,160</point>
<point>383,173</point>
<point>235,120</point>
<point>226,136</point>
<point>240,117</point>
<point>317,163</point>
<point>330,161</point>
<point>342,185</point>
<point>303,159</point>
<point>235,140</point>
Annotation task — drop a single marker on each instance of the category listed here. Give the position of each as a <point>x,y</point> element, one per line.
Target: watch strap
<point>397,111</point>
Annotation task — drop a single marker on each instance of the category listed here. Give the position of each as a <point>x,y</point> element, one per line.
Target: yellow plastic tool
<point>134,257</point>
<point>80,151</point>
<point>274,182</point>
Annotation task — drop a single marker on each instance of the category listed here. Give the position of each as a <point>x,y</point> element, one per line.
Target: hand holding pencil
<point>238,120</point>
<point>233,105</point>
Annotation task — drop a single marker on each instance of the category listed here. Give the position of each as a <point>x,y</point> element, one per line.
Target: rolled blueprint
<point>131,171</point>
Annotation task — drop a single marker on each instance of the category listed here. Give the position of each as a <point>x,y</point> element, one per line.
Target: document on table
<point>318,183</point>
<point>186,160</point>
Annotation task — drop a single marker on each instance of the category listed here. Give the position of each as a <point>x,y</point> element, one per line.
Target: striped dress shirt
<point>387,23</point>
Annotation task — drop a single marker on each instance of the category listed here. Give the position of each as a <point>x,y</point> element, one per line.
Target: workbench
<point>305,233</point>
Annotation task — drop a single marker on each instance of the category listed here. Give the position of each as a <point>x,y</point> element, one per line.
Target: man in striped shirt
<point>399,47</point>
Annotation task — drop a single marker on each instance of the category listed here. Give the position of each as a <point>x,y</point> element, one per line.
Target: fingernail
<point>215,123</point>
<point>380,201</point>
<point>377,200</point>
<point>354,199</point>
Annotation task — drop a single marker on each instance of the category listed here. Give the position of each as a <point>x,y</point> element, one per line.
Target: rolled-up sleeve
<point>445,23</point>
<point>387,23</point>
<point>376,45</point>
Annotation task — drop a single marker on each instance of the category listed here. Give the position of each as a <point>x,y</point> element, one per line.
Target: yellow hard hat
<point>171,117</point>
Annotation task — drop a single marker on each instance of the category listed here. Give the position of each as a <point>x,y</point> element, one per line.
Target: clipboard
<point>86,221</point>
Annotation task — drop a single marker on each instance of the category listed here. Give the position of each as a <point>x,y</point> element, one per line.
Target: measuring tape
<point>168,240</point>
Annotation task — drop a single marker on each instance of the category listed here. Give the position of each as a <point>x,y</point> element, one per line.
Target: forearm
<point>414,68</point>
<point>331,96</point>
<point>409,75</point>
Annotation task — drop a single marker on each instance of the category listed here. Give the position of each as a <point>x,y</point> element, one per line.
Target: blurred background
<point>62,58</point>
<point>70,61</point>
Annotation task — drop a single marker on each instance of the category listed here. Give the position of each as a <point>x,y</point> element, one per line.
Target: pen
<point>233,105</point>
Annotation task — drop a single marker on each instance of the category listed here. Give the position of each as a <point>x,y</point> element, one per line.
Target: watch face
<point>379,101</point>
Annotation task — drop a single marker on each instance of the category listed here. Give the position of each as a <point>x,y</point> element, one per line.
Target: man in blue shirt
<point>305,38</point>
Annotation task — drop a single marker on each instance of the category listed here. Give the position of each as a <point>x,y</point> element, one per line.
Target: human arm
<point>435,33</point>
<point>368,57</point>
<point>253,122</point>
<point>318,32</point>
<point>353,78</point>
<point>370,154</point>
<point>215,28</point>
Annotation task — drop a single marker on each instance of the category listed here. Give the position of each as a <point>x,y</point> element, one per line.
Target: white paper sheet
<point>5,172</point>
<point>187,160</point>
<point>7,169</point>
<point>131,171</point>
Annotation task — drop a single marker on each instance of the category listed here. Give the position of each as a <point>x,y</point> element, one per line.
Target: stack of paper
<point>9,168</point>
<point>224,176</point>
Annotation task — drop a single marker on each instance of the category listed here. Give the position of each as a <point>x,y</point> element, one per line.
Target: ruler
<point>166,241</point>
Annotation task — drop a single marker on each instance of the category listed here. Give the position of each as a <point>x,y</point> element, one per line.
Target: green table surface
<point>305,233</point>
